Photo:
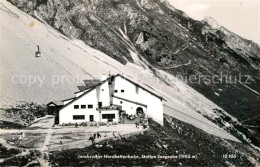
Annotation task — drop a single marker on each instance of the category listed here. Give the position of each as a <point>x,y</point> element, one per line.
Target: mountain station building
<point>107,100</point>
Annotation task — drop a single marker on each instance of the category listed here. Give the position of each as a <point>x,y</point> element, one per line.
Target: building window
<point>78,117</point>
<point>108,116</point>
<point>122,91</point>
<point>90,106</point>
<point>121,102</point>
<point>76,106</point>
<point>83,106</point>
<point>115,91</point>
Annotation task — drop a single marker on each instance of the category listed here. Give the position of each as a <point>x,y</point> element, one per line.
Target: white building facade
<point>108,99</point>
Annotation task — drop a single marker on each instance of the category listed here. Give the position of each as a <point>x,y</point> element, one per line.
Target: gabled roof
<point>109,79</point>
<point>56,103</point>
<point>76,98</point>
<point>140,86</point>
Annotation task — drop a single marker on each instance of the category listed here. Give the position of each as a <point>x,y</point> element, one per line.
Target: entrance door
<point>139,111</point>
<point>99,104</point>
<point>91,118</point>
<point>56,119</point>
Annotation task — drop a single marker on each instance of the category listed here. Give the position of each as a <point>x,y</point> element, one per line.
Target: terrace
<point>48,138</point>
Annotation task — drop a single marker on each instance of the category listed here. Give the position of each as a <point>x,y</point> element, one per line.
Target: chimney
<point>103,77</point>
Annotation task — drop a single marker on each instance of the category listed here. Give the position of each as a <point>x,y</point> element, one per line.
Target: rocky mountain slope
<point>147,36</point>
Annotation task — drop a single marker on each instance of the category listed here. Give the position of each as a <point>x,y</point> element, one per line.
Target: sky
<point>240,16</point>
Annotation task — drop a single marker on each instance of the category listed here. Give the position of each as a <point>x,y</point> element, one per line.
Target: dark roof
<point>57,103</point>
<point>91,81</point>
<point>141,104</point>
<point>84,87</point>
<point>89,84</point>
